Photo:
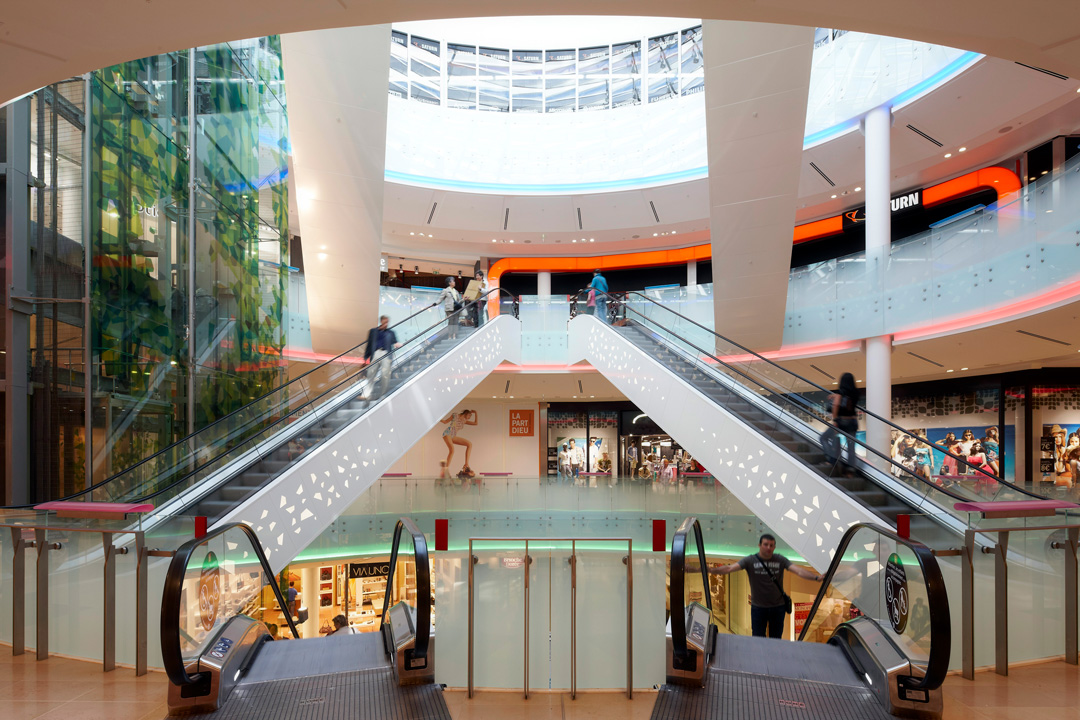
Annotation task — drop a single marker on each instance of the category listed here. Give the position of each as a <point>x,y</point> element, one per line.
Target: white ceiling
<point>966,112</point>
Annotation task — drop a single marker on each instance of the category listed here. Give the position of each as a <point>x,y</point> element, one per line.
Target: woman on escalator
<point>842,408</point>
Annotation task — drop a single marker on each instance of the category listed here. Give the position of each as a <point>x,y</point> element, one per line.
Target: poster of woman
<point>455,422</point>
<point>1060,451</point>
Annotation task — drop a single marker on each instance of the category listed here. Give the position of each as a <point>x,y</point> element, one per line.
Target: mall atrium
<point>417,362</point>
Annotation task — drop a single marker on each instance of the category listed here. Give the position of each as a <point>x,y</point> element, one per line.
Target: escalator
<point>782,411</point>
<point>887,657</point>
<point>224,662</point>
<point>309,425</point>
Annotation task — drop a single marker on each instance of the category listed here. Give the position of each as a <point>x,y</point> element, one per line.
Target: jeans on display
<point>767,622</point>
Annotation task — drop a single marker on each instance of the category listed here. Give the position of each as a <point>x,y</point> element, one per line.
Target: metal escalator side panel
<point>415,657</point>
<point>803,508</point>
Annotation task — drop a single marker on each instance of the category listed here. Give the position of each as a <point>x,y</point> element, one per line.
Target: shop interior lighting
<point>646,415</point>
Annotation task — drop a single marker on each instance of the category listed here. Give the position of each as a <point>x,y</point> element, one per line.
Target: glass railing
<point>210,581</point>
<point>791,408</point>
<point>896,584</point>
<point>1022,248</point>
<point>275,419</point>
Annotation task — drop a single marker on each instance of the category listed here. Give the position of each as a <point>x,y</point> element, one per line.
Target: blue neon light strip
<point>941,76</point>
<point>691,174</point>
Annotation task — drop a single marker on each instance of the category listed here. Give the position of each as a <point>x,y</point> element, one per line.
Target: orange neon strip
<point>1004,181</point>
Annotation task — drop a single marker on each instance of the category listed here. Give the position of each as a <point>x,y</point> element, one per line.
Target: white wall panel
<point>805,509</point>
<point>296,507</point>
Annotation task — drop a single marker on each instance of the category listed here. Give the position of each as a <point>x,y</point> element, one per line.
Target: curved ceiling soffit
<point>37,49</point>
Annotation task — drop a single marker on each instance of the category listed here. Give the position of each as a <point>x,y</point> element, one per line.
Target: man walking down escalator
<point>381,341</point>
<point>769,604</point>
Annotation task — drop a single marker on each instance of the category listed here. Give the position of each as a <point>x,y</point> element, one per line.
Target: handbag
<point>787,598</point>
<point>591,302</point>
<point>457,301</point>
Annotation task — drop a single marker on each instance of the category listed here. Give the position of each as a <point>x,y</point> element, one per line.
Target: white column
<point>543,285</point>
<point>309,598</point>
<point>877,126</point>
<point>691,273</point>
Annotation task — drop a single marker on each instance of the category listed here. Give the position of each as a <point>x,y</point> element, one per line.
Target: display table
<point>396,475</point>
<point>496,474</point>
<point>1016,508</point>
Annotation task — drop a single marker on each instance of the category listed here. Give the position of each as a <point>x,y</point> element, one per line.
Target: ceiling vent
<point>432,213</point>
<point>579,226</point>
<point>819,172</point>
<point>1044,71</point>
<point>1043,337</point>
<point>506,218</point>
<point>654,213</point>
<point>923,135</point>
<point>925,359</point>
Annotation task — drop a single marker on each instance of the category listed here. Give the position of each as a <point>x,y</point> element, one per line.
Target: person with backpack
<point>450,299</point>
<point>769,603</point>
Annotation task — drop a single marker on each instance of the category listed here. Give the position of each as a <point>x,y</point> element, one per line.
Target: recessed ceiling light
<point>672,232</point>
<point>590,239</point>
<point>858,189</point>
<point>412,233</point>
<point>834,197</point>
<point>655,234</point>
<point>948,155</point>
<point>1077,89</point>
<point>493,240</point>
<point>948,371</point>
<point>511,239</point>
<point>1044,172</point>
<point>1049,211</point>
<point>573,241</point>
<point>963,149</point>
<point>963,369</point>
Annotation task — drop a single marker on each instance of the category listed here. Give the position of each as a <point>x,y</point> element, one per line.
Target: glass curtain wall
<point>173,345</point>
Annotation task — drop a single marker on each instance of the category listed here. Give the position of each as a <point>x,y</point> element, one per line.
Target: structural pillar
<point>877,127</point>
<point>543,285</point>
<point>309,598</point>
<point>691,273</point>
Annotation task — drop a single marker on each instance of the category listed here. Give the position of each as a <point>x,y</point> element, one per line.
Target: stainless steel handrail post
<point>1071,597</point>
<point>108,592</point>
<point>1001,604</point>
<point>967,584</point>
<point>42,593</point>
<point>573,620</point>
<point>472,562</point>
<point>18,590</point>
<point>630,619</point>
<point>526,564</point>
<point>141,600</point>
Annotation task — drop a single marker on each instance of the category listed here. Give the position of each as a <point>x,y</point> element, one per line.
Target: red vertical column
<point>442,534</point>
<point>659,535</point>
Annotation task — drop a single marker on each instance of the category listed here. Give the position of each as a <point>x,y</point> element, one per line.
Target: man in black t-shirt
<point>766,598</point>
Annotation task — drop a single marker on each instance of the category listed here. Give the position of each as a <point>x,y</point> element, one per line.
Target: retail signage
<point>521,423</point>
<point>368,570</point>
<point>896,593</point>
<point>802,612</point>
<point>209,591</point>
<point>899,204</point>
<point>513,563</point>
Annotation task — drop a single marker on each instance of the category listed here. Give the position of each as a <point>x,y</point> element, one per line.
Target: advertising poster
<point>625,91</point>
<point>593,95</point>
<point>626,59</point>
<point>973,437</point>
<point>560,62</point>
<point>594,60</point>
<point>560,95</point>
<point>494,62</point>
<point>424,57</point>
<point>690,50</point>
<point>663,88</point>
<point>461,60</point>
<point>527,63</point>
<point>426,91</point>
<point>399,64</point>
<point>1059,461</point>
<point>527,94</point>
<point>493,94</point>
<point>693,84</point>
<point>461,93</point>
<point>664,55</point>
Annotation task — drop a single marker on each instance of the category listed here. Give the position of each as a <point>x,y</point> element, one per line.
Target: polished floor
<point>76,690</point>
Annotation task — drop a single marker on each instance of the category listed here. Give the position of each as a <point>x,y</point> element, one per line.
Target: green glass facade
<point>164,221</point>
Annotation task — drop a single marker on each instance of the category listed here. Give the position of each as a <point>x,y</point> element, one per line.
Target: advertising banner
<point>1060,454</point>
<point>664,54</point>
<point>692,56</point>
<point>626,58</point>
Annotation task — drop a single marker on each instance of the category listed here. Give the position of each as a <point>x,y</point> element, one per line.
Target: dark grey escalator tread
<point>818,662</point>
<point>285,659</point>
<point>359,694</point>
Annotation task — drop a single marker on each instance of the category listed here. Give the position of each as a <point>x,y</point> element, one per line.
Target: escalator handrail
<point>678,582</point>
<point>187,438</point>
<point>171,655</point>
<point>423,583</point>
<point>937,665</point>
<point>978,472</point>
<point>346,379</point>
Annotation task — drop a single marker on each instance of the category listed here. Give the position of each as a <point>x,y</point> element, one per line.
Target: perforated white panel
<point>803,508</point>
<point>296,507</point>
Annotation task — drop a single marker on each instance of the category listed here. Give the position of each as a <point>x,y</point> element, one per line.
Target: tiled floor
<point>59,689</point>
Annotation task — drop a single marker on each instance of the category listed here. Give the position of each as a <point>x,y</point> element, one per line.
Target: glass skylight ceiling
<point>556,105</point>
